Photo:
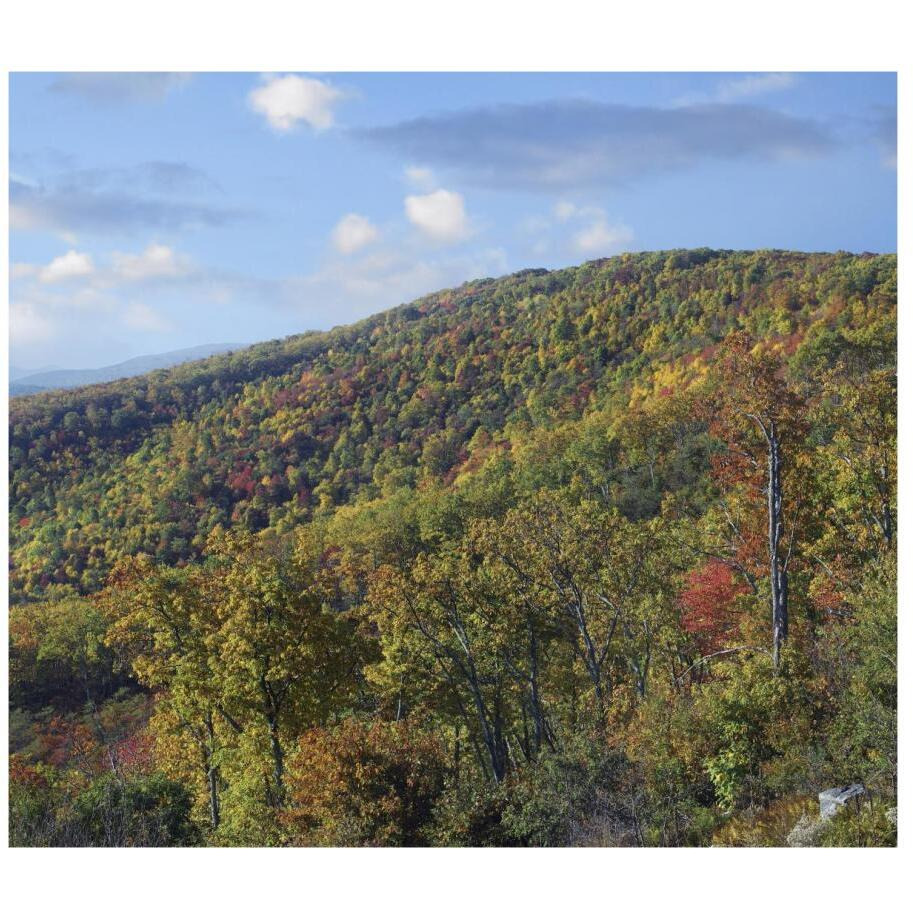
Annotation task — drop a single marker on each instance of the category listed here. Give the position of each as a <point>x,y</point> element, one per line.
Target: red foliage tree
<point>708,603</point>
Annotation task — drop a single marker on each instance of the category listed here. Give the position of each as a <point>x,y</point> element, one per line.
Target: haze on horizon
<point>153,212</point>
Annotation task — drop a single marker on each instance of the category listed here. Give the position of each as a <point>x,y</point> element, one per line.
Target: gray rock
<point>832,800</point>
<point>807,831</point>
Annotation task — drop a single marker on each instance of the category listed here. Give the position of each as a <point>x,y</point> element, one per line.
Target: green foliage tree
<point>500,567</point>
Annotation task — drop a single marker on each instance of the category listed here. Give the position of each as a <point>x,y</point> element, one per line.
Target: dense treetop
<point>283,431</point>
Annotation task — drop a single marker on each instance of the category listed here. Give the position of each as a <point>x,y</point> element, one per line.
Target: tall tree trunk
<point>641,670</point>
<point>887,520</point>
<point>212,774</point>
<point>491,732</point>
<point>490,723</point>
<point>464,713</point>
<point>590,661</point>
<point>535,701</point>
<point>501,746</point>
<point>212,777</point>
<point>456,752</point>
<point>525,745</point>
<point>278,789</point>
<point>778,576</point>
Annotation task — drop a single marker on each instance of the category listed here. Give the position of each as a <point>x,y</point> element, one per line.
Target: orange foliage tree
<point>364,784</point>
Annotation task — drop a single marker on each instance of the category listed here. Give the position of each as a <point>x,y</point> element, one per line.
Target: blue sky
<point>151,212</point>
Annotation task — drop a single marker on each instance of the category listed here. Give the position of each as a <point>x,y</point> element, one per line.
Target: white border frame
<point>404,35</point>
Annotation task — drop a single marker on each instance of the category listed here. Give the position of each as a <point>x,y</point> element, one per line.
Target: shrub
<point>108,812</point>
<point>364,785</point>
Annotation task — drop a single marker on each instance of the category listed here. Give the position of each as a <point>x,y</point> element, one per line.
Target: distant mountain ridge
<point>17,373</point>
<point>67,378</point>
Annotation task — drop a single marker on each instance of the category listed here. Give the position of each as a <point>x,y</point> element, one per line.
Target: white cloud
<point>156,262</point>
<point>22,270</point>
<point>140,316</point>
<point>71,265</point>
<point>353,232</point>
<point>591,231</point>
<point>285,101</point>
<point>751,86</point>
<point>534,225</point>
<point>28,325</point>
<point>17,178</point>
<point>21,217</point>
<point>735,90</point>
<point>564,211</point>
<point>121,87</point>
<point>72,299</point>
<point>440,215</point>
<point>421,178</point>
<point>384,277</point>
<point>602,238</point>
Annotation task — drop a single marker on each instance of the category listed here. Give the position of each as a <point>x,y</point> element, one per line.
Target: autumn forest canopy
<point>601,556</point>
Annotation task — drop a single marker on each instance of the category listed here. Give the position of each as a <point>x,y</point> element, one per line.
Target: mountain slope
<point>281,431</point>
<point>65,378</point>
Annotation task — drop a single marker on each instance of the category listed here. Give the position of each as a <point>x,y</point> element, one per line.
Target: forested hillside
<point>597,556</point>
